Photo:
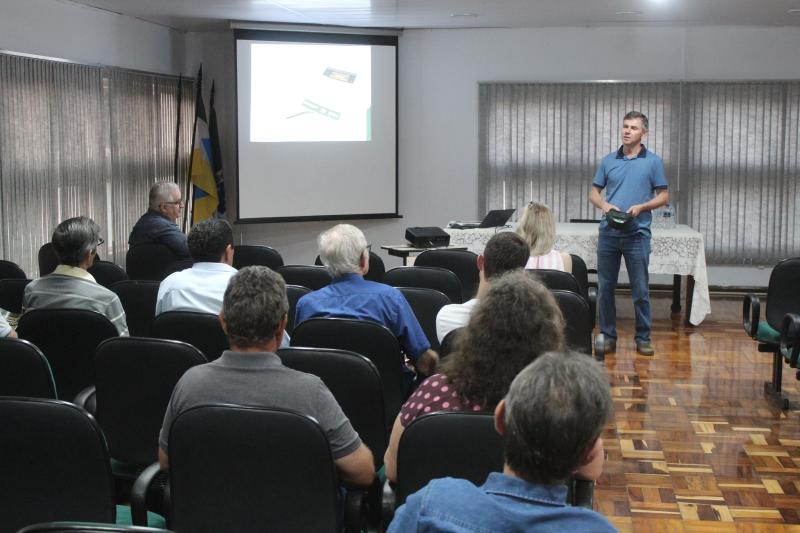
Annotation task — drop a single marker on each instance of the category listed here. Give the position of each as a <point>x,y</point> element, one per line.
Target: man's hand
<point>636,209</point>
<point>606,207</point>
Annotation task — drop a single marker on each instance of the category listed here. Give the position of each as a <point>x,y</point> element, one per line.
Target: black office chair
<point>581,274</point>
<point>462,263</point>
<point>177,266</point>
<point>47,258</point>
<point>376,267</point>
<point>138,299</point>
<point>783,297</point>
<point>24,370</point>
<point>293,293</point>
<point>426,304</point>
<point>245,255</point>
<point>68,338</point>
<point>556,279</point>
<point>436,278</point>
<point>107,273</point>
<point>369,339</point>
<point>201,330</point>
<point>54,464</point>
<point>448,345</point>
<point>135,377</point>
<point>12,292</point>
<point>11,270</point>
<point>257,468</point>
<point>88,527</point>
<point>310,276</point>
<point>149,262</point>
<point>578,322</point>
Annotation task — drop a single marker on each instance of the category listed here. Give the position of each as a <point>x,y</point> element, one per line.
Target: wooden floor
<point>694,444</point>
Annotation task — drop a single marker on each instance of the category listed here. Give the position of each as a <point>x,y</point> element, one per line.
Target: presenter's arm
<point>661,198</point>
<point>596,198</point>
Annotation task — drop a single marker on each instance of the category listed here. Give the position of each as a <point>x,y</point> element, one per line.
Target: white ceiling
<point>199,15</point>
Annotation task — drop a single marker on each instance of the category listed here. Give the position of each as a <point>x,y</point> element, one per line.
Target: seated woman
<point>515,322</point>
<point>538,227</point>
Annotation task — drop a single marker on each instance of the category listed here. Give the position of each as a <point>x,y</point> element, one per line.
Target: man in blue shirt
<point>344,251</point>
<point>158,224</point>
<point>551,420</point>
<point>634,183</point>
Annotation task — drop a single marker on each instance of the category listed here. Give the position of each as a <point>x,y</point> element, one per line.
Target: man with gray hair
<point>250,373</point>
<point>70,286</point>
<point>157,226</point>
<point>344,251</point>
<point>551,420</point>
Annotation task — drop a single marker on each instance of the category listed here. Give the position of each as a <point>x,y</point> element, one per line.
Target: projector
<point>428,237</point>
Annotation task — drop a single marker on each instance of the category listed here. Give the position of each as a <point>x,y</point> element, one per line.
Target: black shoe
<point>610,346</point>
<point>645,348</point>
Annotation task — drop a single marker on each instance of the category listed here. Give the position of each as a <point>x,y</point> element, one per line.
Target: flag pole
<point>198,95</point>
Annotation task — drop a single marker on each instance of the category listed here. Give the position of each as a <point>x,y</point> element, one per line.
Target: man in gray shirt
<point>250,373</point>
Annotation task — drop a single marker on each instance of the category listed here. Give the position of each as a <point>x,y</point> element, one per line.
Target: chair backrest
<point>88,527</point>
<point>355,383</point>
<point>370,339</point>
<point>581,274</point>
<point>436,278</point>
<point>433,446</point>
<point>177,266</point>
<point>426,304</point>
<point>462,263</point>
<point>48,260</point>
<point>12,292</point>
<point>24,370</point>
<point>311,276</point>
<point>201,330</point>
<point>149,261</point>
<point>577,318</point>
<point>293,293</point>
<point>376,267</point>
<point>11,270</point>
<point>449,343</point>
<point>68,338</point>
<point>783,292</point>
<point>245,255</point>
<point>138,298</point>
<point>557,279</point>
<point>54,464</point>
<point>135,379</point>
<point>107,273</point>
<point>257,468</point>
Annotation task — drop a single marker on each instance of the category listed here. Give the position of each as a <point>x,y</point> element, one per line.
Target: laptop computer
<point>493,219</point>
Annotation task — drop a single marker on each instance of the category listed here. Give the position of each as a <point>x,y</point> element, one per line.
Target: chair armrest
<point>87,399</point>
<point>751,314</point>
<point>592,293</point>
<point>354,512</point>
<point>387,506</point>
<point>583,493</point>
<point>790,339</point>
<point>139,494</point>
<point>600,347</point>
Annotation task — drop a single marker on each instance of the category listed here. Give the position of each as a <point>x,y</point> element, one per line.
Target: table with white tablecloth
<point>679,251</point>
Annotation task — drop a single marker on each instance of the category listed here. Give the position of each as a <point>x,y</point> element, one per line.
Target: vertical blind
<point>730,152</point>
<point>83,140</point>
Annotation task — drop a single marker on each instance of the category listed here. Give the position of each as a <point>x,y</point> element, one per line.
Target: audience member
<point>504,252</point>
<point>551,420</point>
<point>344,251</point>
<point>157,226</point>
<point>250,373</point>
<point>538,227</point>
<point>514,322</point>
<point>70,286</point>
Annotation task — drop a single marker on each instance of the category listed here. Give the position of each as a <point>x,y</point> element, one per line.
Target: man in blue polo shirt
<point>344,251</point>
<point>634,183</point>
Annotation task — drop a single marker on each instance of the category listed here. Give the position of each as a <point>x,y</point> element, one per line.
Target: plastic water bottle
<point>668,216</point>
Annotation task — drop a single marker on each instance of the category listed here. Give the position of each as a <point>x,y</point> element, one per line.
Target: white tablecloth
<point>679,250</point>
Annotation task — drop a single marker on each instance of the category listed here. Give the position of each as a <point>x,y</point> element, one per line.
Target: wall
<point>87,35</point>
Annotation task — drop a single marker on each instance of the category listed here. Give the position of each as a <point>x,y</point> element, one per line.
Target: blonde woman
<point>538,227</point>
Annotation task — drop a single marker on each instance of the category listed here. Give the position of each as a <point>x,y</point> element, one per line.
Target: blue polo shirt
<point>352,296</point>
<point>629,181</point>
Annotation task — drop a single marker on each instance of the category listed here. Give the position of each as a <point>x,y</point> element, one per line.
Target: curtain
<point>730,153</point>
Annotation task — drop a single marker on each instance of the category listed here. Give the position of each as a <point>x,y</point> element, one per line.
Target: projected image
<point>304,92</point>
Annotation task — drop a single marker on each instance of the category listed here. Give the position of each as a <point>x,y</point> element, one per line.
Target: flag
<point>205,198</point>
<point>216,156</point>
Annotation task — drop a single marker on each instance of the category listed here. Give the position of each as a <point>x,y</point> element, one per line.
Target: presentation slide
<point>317,125</point>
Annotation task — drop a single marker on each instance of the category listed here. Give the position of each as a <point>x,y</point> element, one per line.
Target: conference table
<point>679,251</point>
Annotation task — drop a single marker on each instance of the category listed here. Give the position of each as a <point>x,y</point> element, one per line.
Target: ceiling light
<point>794,11</point>
<point>464,14</point>
<point>628,12</point>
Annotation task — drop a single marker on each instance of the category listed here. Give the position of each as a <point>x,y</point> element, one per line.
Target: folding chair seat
<point>149,262</point>
<point>201,330</point>
<point>426,304</point>
<point>11,270</point>
<point>24,370</point>
<point>310,276</point>
<point>138,299</point>
<point>107,273</point>
<point>436,278</point>
<point>245,255</point>
<point>12,291</point>
<point>462,263</point>
<point>293,293</point>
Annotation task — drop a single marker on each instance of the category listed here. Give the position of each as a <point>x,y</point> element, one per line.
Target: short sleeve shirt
<point>435,394</point>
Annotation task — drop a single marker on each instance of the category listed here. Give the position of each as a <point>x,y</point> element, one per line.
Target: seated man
<point>504,252</point>
<point>250,373</point>
<point>202,287</point>
<point>70,286</point>
<point>344,251</point>
<point>157,226</point>
<point>551,420</point>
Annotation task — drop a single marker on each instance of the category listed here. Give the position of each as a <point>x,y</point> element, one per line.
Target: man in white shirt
<point>504,252</point>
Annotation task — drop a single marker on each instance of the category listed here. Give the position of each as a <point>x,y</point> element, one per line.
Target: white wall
<point>86,35</point>
<point>438,97</point>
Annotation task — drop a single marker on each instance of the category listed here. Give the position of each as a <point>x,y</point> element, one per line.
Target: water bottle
<point>668,216</point>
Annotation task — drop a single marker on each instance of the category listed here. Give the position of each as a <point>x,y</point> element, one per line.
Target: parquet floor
<point>694,444</point>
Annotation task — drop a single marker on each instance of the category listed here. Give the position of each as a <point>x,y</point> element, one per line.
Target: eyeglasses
<point>99,242</point>
<point>368,248</point>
